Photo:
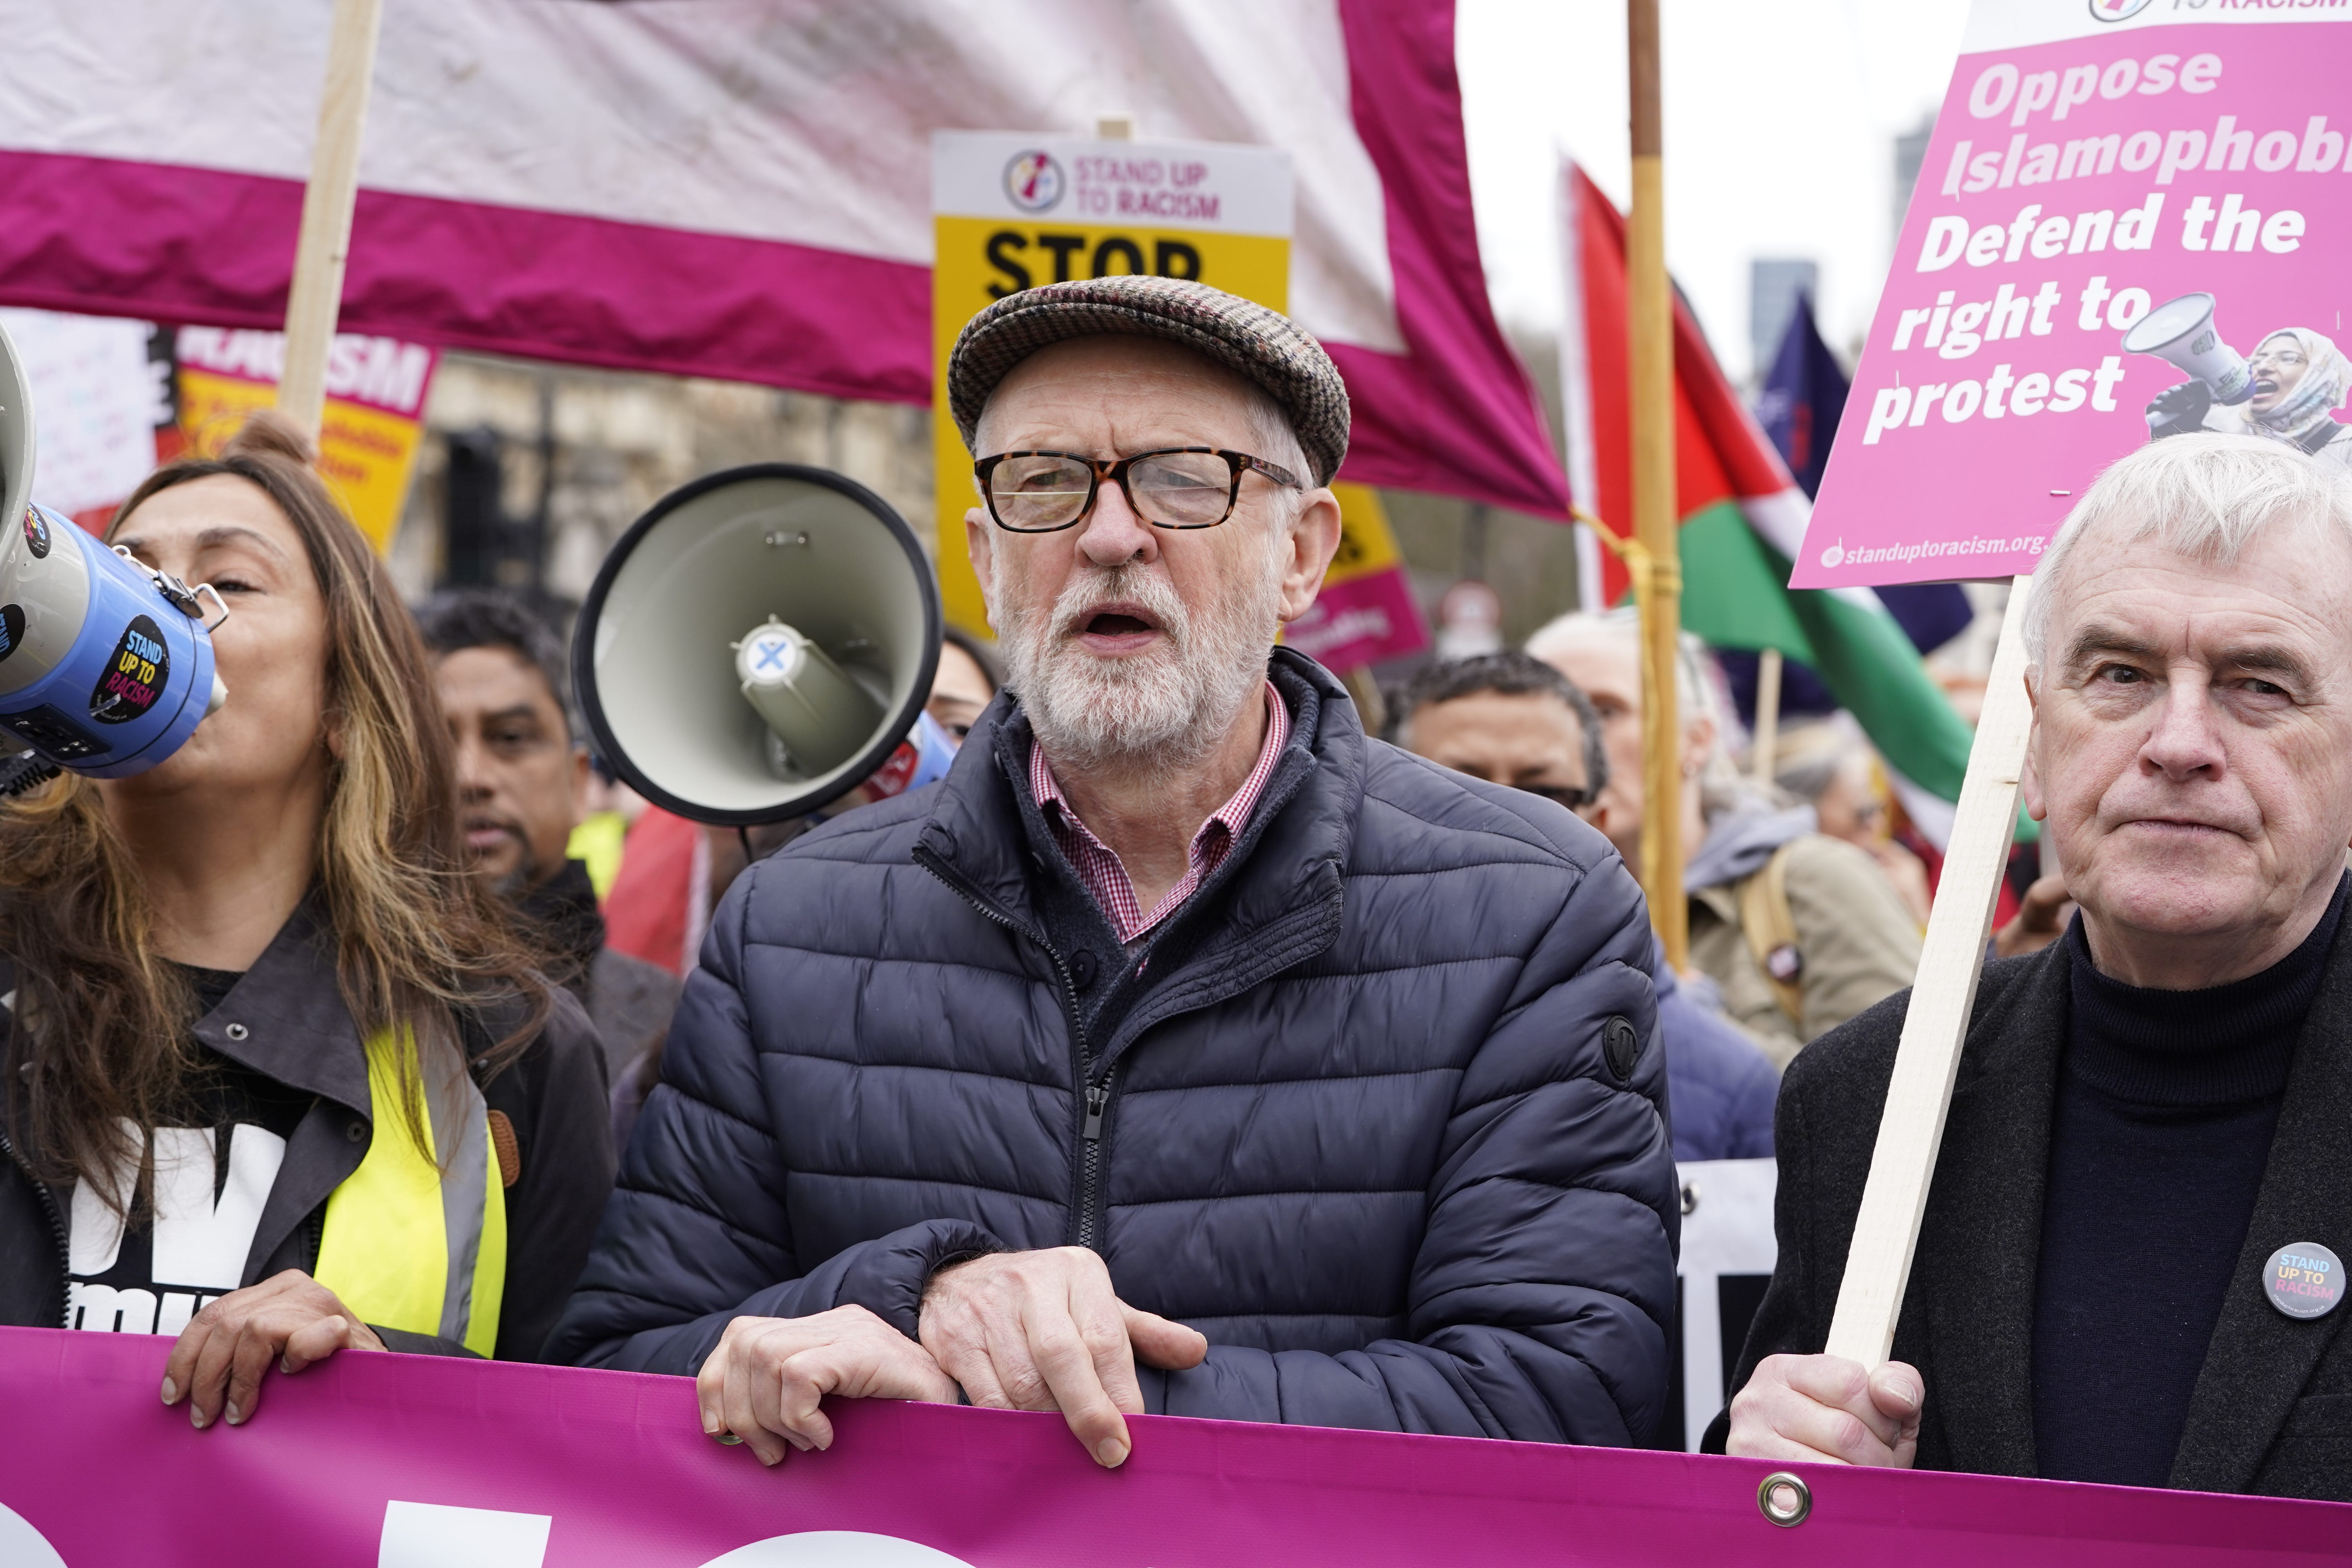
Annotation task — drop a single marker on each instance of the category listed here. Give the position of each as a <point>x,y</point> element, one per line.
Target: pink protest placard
<point>2124,203</point>
<point>407,1461</point>
<point>1360,621</point>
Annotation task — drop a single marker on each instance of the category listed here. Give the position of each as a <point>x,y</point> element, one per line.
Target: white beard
<point>1160,713</point>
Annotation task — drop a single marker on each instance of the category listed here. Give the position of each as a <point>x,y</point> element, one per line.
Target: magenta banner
<point>408,1461</point>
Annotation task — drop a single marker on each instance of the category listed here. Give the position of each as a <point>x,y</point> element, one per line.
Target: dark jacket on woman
<point>286,1020</point>
<point>2270,1408</point>
<point>1379,1110</point>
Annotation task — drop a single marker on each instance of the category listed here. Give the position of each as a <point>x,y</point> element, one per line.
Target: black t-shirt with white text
<point>193,1219</point>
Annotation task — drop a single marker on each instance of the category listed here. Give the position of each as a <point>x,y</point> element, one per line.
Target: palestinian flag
<point>1743,518</point>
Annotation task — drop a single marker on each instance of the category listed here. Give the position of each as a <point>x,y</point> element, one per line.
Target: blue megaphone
<point>106,668</point>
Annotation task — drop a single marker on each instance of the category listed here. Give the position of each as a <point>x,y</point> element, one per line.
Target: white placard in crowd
<point>1727,1232</point>
<point>98,398</point>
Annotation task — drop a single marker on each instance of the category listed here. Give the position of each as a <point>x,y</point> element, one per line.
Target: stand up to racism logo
<point>134,676</point>
<point>1034,181</point>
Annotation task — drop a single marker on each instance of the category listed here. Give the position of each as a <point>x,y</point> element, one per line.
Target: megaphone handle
<point>182,598</point>
<point>28,770</point>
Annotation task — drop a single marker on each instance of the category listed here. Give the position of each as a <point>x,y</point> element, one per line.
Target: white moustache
<point>1085,599</point>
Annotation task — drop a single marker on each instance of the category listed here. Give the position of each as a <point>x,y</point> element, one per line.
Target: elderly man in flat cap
<point>1185,1050</point>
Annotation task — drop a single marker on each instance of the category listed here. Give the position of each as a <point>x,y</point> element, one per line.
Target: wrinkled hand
<point>1824,1409</point>
<point>1044,1331</point>
<point>2178,410</point>
<point>764,1385</point>
<point>2040,917</point>
<point>290,1318</point>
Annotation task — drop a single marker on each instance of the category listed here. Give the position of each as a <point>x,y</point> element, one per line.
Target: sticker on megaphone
<point>2182,331</point>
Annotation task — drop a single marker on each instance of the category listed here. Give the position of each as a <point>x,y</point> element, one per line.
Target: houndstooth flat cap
<point>1248,339</point>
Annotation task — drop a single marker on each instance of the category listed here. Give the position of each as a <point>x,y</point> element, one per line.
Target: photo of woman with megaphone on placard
<point>2288,390</point>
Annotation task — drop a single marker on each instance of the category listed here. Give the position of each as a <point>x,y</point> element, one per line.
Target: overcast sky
<point>1781,123</point>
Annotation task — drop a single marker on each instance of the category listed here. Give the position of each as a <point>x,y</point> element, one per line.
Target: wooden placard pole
<point>317,295</point>
<point>1911,1128</point>
<point>1657,564</point>
<point>1766,742</point>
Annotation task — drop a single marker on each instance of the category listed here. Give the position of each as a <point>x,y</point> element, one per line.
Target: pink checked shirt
<point>1100,869</point>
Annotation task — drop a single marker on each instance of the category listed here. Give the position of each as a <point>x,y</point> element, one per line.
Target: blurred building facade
<point>529,473</point>
<point>1774,284</point>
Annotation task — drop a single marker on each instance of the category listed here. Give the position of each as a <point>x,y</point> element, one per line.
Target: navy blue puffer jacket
<point>1382,1115</point>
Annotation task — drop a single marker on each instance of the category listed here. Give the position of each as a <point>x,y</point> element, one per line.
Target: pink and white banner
<point>417,1462</point>
<point>2124,200</point>
<point>740,188</point>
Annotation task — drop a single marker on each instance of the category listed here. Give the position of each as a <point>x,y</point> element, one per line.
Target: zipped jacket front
<point>1379,1110</point>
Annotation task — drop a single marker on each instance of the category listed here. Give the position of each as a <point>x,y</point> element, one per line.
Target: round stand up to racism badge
<point>134,676</point>
<point>2303,1279</point>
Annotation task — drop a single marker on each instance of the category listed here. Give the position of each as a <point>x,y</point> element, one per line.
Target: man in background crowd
<point>1828,767</point>
<point>2131,1266</point>
<point>522,776</point>
<point>1511,719</point>
<point>1801,931</point>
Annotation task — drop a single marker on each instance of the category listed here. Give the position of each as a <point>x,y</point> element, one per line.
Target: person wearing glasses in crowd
<point>1185,1050</point>
<point>1800,930</point>
<point>1510,719</point>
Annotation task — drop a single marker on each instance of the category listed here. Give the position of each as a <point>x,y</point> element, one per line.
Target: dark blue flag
<point>1803,400</point>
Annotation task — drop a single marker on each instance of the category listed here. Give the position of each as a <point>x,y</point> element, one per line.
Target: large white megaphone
<point>757,644</point>
<point>2182,331</point>
<point>106,668</point>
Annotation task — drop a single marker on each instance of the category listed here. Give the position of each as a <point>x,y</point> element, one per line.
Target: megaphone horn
<point>106,668</point>
<point>757,645</point>
<point>2182,331</point>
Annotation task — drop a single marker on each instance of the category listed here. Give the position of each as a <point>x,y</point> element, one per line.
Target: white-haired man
<point>1800,930</point>
<point>2130,1268</point>
<point>1184,1050</point>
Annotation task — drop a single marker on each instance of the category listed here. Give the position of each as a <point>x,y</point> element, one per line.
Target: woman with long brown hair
<point>278,1080</point>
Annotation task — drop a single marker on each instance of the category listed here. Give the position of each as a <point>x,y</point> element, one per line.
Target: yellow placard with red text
<point>368,433</point>
<point>1013,211</point>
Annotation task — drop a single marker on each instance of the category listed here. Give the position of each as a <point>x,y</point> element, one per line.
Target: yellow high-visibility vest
<point>414,1243</point>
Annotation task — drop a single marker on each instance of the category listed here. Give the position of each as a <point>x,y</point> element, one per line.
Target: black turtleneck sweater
<point>2166,1104</point>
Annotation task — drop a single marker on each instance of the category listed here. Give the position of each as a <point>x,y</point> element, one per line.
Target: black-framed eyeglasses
<point>1573,796</point>
<point>1172,487</point>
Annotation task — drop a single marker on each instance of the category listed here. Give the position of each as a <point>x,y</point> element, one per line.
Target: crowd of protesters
<point>1186,1048</point>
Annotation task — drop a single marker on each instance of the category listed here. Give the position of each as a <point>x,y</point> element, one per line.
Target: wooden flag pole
<point>317,295</point>
<point>1911,1129</point>
<point>1658,575</point>
<point>1766,741</point>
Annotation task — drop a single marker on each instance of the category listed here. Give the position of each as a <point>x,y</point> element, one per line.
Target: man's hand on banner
<point>764,1383</point>
<point>288,1317</point>
<point>1825,1409</point>
<point>1044,1331</point>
